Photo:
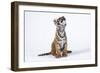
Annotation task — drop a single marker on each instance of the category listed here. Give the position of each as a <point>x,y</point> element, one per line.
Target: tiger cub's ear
<point>55,21</point>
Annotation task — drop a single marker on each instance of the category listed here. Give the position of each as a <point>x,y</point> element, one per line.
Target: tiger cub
<point>59,45</point>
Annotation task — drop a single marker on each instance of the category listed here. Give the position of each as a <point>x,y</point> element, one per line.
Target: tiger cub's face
<point>60,23</point>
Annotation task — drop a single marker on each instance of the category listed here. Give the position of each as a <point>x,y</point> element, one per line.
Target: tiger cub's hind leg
<point>58,53</point>
<point>56,50</point>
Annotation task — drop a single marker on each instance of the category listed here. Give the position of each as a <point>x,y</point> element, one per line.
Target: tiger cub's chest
<point>61,43</point>
<point>61,39</point>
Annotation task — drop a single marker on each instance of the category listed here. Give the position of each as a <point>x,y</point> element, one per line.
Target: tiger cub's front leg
<point>64,52</point>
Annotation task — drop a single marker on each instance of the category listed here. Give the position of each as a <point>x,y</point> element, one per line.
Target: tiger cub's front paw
<point>58,56</point>
<point>64,54</point>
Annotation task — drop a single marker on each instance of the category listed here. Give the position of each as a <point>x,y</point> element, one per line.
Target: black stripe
<point>63,35</point>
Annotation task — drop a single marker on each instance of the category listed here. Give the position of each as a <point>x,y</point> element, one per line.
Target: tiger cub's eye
<point>61,21</point>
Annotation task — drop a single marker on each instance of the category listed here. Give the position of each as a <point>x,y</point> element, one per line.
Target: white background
<point>40,32</point>
<point>5,27</point>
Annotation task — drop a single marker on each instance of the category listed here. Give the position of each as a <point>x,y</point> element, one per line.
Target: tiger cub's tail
<point>69,51</point>
<point>44,54</point>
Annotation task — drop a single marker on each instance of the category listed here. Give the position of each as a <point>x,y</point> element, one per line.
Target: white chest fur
<point>62,40</point>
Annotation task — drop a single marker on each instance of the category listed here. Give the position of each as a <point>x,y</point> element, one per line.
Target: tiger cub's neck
<point>61,34</point>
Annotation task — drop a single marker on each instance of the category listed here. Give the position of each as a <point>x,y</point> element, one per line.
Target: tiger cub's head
<point>60,23</point>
